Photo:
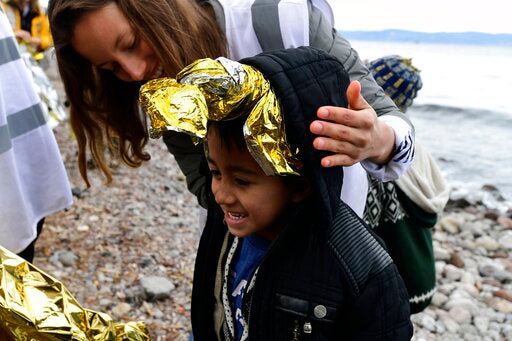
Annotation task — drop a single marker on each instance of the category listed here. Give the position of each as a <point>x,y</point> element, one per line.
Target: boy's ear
<point>301,189</point>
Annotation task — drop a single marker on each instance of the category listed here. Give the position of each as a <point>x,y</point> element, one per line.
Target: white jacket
<point>33,180</point>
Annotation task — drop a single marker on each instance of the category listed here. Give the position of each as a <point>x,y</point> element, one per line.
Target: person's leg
<point>28,253</point>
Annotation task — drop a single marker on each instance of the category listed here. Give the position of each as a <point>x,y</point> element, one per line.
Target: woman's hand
<point>352,134</point>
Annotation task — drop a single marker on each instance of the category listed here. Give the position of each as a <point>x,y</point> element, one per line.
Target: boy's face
<point>252,201</point>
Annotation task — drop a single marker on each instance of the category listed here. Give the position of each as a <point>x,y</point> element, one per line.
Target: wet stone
<point>156,288</point>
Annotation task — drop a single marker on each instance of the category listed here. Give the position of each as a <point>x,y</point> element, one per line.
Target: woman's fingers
<point>353,134</point>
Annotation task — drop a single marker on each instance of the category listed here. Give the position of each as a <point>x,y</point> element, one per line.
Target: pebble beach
<point>127,249</point>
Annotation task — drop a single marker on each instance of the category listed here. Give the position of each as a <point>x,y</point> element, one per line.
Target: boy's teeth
<point>236,215</point>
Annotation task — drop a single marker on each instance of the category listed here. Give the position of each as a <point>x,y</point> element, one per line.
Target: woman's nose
<point>133,68</point>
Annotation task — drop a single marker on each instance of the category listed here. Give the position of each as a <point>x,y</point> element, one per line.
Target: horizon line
<point>422,32</point>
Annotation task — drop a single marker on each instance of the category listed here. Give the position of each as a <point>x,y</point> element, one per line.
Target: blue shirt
<point>245,263</point>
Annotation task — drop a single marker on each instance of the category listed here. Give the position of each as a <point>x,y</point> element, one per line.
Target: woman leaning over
<point>106,49</point>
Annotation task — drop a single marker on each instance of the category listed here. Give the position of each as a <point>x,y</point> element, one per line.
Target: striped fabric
<point>254,26</point>
<point>33,181</point>
<point>404,153</point>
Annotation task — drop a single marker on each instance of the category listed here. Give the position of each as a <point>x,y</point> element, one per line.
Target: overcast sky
<point>490,16</point>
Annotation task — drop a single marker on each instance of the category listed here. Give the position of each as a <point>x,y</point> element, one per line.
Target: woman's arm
<point>384,155</point>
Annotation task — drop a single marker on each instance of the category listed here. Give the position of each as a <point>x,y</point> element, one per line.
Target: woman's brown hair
<point>104,110</point>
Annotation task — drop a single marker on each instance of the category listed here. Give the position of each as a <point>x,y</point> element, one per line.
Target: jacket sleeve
<point>192,162</point>
<point>381,312</point>
<point>322,35</point>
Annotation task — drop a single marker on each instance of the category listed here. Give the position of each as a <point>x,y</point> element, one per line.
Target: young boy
<point>281,256</point>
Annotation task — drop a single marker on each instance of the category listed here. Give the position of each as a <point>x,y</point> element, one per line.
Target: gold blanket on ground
<point>35,306</point>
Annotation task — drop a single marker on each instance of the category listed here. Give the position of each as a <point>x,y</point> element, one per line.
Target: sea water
<point>463,113</point>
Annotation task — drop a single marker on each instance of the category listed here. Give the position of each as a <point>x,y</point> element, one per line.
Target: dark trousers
<point>28,253</point>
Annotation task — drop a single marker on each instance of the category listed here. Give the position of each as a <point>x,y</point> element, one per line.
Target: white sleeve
<point>403,155</point>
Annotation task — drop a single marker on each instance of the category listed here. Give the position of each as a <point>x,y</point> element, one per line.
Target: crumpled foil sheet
<point>36,306</point>
<point>218,90</point>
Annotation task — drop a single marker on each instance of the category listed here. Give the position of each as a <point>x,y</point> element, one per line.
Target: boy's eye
<point>215,173</point>
<point>241,182</point>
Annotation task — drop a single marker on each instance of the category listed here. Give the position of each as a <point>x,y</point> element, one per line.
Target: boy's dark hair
<point>230,132</point>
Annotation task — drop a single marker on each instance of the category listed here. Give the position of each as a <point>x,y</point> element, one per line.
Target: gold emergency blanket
<point>35,306</point>
<point>218,90</point>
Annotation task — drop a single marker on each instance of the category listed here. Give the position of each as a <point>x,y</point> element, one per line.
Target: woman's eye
<point>134,43</point>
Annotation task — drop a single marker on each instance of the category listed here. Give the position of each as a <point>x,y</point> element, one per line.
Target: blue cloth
<point>245,263</point>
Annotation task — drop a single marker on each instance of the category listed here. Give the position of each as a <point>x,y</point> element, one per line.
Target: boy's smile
<point>233,218</point>
<point>252,201</point>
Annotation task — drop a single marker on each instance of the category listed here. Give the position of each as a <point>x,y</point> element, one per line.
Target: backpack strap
<point>265,18</point>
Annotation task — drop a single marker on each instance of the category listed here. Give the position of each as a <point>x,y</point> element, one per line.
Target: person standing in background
<point>29,22</point>
<point>33,181</point>
<point>403,212</point>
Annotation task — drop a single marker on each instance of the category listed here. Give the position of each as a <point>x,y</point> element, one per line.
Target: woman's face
<point>106,38</point>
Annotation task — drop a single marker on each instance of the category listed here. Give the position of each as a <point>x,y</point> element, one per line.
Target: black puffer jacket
<point>326,277</point>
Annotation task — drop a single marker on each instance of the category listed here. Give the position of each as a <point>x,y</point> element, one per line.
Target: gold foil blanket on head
<point>218,90</point>
<point>35,306</point>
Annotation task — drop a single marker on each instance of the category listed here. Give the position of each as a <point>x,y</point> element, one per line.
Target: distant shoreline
<point>469,38</point>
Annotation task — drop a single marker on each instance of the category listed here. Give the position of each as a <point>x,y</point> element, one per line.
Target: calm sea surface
<point>463,113</point>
